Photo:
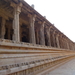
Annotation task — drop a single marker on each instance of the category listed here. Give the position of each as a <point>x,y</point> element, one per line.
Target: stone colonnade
<point>58,40</point>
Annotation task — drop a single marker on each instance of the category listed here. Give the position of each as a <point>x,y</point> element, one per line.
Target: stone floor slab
<point>66,69</point>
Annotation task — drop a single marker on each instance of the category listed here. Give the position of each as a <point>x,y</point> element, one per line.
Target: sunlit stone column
<point>41,34</point>
<point>17,10</point>
<point>3,28</point>
<point>57,40</point>
<point>48,35</point>
<point>31,29</point>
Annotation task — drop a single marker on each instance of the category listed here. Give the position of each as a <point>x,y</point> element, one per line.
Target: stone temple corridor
<point>30,44</point>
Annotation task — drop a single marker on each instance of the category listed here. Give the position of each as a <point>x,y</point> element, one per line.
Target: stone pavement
<point>66,69</point>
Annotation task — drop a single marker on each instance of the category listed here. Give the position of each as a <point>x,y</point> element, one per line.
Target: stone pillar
<point>3,28</point>
<point>48,36</point>
<point>54,39</point>
<point>72,45</point>
<point>32,29</point>
<point>42,38</point>
<point>57,40</point>
<point>17,10</point>
<point>60,40</point>
<point>67,44</point>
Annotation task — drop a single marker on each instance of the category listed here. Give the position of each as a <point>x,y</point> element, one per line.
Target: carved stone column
<point>41,34</point>
<point>48,36</point>
<point>3,28</point>
<point>67,44</point>
<point>57,40</point>
<point>63,43</point>
<point>54,38</point>
<point>72,45</point>
<point>31,29</point>
<point>60,40</point>
<point>17,10</point>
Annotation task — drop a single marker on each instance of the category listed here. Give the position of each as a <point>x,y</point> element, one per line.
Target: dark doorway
<point>24,39</point>
<point>6,33</point>
<point>25,33</point>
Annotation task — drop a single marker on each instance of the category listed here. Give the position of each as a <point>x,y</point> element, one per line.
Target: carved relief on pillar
<point>17,10</point>
<point>41,33</point>
<point>32,28</point>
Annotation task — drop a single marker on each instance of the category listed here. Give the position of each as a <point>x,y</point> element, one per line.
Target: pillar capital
<point>17,7</point>
<point>32,19</point>
<point>41,24</point>
<point>57,35</point>
<point>54,31</point>
<point>32,16</point>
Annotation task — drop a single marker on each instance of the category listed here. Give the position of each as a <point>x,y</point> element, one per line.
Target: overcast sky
<point>59,12</point>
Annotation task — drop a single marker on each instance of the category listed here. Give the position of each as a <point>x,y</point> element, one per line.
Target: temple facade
<point>29,43</point>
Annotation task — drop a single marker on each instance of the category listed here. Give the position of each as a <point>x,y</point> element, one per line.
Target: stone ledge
<point>4,42</point>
